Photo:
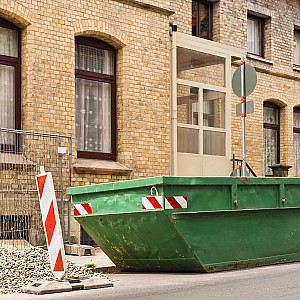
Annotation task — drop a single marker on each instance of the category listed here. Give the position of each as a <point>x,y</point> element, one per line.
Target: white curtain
<point>9,42</point>
<point>270,140</point>
<point>296,119</point>
<point>253,36</point>
<point>94,60</point>
<point>7,100</point>
<point>296,153</point>
<point>297,48</point>
<point>8,47</point>
<point>93,116</point>
<point>93,100</point>
<point>271,116</point>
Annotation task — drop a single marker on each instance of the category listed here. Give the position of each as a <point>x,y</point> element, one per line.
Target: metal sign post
<point>243,101</point>
<point>243,83</point>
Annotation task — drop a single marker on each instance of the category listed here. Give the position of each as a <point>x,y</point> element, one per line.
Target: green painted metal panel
<point>248,196</point>
<point>244,238</point>
<point>202,197</point>
<point>291,196</point>
<point>141,241</point>
<point>228,223</point>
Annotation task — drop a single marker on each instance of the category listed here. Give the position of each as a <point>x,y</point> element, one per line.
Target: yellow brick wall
<point>141,36</point>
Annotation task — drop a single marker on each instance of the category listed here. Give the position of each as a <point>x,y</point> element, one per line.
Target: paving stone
<point>47,287</point>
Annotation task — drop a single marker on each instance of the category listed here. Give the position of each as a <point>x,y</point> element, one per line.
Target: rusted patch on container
<point>244,180</point>
<point>101,221</point>
<point>120,227</point>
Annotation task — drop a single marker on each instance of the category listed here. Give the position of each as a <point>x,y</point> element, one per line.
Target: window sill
<point>100,167</point>
<point>258,58</point>
<point>11,161</point>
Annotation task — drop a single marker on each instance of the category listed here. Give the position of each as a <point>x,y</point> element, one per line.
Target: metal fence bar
<point>21,155</point>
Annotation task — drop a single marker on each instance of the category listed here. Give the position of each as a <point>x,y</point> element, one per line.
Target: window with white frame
<point>201,110</point>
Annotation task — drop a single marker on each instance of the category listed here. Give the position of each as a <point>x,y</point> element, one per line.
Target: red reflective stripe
<point>173,202</point>
<point>154,202</point>
<point>59,266</point>
<point>41,183</point>
<point>76,212</point>
<point>87,207</point>
<point>143,207</point>
<point>50,223</point>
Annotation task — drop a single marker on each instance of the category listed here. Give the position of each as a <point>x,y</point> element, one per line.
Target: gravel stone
<point>22,267</point>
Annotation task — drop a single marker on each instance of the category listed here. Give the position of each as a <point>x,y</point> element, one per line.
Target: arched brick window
<point>10,82</point>
<point>95,101</point>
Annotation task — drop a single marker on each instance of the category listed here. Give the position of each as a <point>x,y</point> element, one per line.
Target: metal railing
<point>237,165</point>
<point>21,155</point>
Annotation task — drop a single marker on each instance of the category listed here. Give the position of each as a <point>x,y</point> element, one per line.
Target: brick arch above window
<point>16,13</point>
<point>276,102</point>
<point>108,33</point>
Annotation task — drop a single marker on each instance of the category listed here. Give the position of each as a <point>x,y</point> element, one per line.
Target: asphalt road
<point>274,282</point>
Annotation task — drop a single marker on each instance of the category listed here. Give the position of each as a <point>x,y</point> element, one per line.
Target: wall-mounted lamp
<point>173,25</point>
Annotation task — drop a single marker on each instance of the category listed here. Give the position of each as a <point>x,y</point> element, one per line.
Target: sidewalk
<point>100,260</point>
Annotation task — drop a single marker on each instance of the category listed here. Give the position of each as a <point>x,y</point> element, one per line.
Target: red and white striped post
<point>51,223</point>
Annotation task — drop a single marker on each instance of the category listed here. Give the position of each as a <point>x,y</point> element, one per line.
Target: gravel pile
<point>21,267</point>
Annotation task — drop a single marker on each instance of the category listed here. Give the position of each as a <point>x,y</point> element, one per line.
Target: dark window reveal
<point>202,19</point>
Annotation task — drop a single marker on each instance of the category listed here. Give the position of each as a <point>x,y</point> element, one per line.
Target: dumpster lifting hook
<point>154,188</point>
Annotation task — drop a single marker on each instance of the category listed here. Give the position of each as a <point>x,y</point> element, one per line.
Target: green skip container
<point>192,224</point>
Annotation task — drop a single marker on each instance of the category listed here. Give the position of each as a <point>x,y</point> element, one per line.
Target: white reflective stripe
<point>46,197</point>
<point>80,209</point>
<point>55,246</point>
<point>167,204</point>
<point>160,200</point>
<point>148,205</point>
<point>181,201</point>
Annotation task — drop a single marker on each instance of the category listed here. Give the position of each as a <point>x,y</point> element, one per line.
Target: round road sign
<point>249,81</point>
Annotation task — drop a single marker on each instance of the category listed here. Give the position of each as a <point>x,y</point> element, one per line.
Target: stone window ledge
<point>13,161</point>
<point>258,58</point>
<point>100,167</point>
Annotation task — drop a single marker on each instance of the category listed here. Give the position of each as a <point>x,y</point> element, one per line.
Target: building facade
<point>142,100</point>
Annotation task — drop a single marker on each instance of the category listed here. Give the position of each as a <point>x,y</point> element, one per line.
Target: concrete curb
<point>68,285</point>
